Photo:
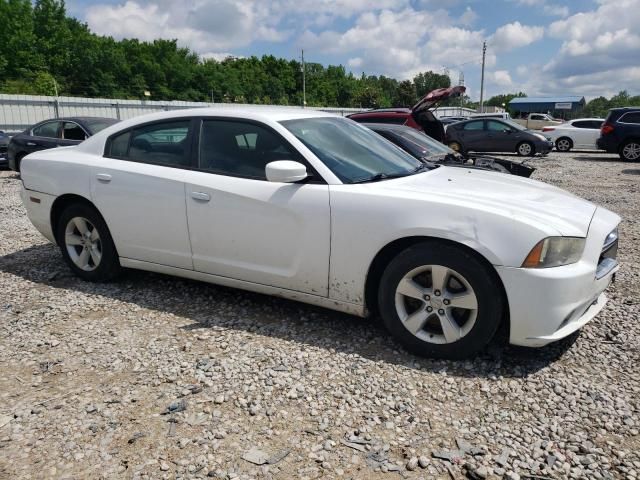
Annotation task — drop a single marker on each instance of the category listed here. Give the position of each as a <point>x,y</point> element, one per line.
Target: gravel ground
<point>157,377</point>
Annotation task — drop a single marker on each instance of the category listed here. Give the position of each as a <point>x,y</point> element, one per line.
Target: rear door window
<point>47,130</point>
<point>164,143</point>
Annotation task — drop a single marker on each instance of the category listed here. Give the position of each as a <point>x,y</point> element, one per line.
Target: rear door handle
<point>103,177</point>
<point>201,196</point>
<point>31,144</point>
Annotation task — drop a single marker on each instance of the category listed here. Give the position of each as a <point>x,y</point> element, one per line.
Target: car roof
<point>382,112</point>
<point>386,126</point>
<point>625,108</point>
<point>586,119</point>
<point>260,114</point>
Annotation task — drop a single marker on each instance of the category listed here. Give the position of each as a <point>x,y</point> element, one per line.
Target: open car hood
<point>434,97</point>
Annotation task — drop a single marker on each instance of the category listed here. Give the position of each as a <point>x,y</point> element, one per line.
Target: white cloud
<point>355,62</point>
<point>597,41</point>
<point>548,8</point>
<point>515,35</point>
<point>501,78</point>
<point>468,17</point>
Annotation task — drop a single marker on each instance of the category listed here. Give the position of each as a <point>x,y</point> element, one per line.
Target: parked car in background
<point>314,207</point>
<point>53,133</point>
<point>4,143</point>
<point>427,149</point>
<point>420,116</point>
<point>446,121</point>
<point>537,121</point>
<point>578,133</point>
<point>620,133</point>
<point>495,135</point>
<point>502,115</point>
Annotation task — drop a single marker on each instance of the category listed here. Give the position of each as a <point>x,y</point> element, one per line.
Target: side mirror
<point>285,171</point>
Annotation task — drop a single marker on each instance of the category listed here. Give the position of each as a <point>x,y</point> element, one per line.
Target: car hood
<point>520,198</point>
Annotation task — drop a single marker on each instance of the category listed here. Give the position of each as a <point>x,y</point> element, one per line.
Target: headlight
<point>555,251</point>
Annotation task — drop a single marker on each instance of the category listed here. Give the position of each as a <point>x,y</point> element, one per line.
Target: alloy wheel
<point>83,243</point>
<point>631,151</point>
<point>563,145</point>
<point>436,304</point>
<point>524,149</point>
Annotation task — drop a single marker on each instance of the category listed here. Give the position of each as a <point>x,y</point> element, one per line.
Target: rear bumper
<point>38,207</point>
<point>608,144</point>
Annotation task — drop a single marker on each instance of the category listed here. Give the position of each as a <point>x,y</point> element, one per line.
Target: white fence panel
<point>17,112</point>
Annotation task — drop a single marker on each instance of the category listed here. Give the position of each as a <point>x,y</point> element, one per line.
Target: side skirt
<point>341,306</point>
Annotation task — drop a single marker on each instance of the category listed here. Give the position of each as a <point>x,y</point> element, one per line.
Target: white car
<point>317,208</point>
<point>578,133</point>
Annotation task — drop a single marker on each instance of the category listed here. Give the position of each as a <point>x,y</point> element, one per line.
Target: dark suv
<point>620,133</point>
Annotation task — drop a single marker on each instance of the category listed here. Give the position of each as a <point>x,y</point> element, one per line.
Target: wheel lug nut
<point>441,312</point>
<point>429,309</point>
<point>437,293</point>
<point>427,297</point>
<point>446,302</point>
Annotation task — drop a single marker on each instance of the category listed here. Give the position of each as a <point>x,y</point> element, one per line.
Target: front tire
<point>455,146</point>
<point>526,149</point>
<point>564,144</point>
<point>86,244</point>
<point>630,151</point>
<point>439,300</point>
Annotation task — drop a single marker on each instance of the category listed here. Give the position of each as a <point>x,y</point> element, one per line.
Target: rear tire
<point>19,158</point>
<point>526,149</point>
<point>441,301</point>
<point>86,243</point>
<point>630,151</point>
<point>564,144</point>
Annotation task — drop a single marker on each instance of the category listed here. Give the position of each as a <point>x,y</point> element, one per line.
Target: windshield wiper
<point>386,176</point>
<point>381,176</point>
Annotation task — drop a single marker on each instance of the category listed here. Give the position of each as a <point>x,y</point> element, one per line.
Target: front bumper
<point>547,304</point>
<point>544,147</point>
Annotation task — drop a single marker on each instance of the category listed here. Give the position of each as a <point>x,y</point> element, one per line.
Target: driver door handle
<point>201,196</point>
<point>31,144</point>
<point>103,177</point>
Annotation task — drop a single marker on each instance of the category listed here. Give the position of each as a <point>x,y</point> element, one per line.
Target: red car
<point>419,116</point>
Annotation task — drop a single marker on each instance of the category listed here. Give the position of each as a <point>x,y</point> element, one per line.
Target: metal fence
<point>17,112</point>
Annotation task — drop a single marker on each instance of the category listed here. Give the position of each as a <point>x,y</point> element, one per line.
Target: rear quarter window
<point>630,117</point>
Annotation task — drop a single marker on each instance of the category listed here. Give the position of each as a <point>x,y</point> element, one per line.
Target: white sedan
<point>319,209</point>
<point>578,133</point>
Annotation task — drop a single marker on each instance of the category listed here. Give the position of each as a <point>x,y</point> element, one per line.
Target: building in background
<point>565,106</point>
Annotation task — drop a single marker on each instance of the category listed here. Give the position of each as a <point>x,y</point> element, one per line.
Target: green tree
<point>405,94</point>
<point>428,81</point>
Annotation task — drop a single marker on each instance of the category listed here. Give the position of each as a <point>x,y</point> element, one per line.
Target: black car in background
<point>620,133</point>
<point>495,135</point>
<point>4,143</point>
<point>59,132</point>
<point>425,148</point>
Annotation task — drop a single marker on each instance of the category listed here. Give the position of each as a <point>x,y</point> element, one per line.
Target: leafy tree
<point>504,99</point>
<point>405,94</point>
<point>427,81</point>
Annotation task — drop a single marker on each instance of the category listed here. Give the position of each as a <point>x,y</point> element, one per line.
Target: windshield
<point>95,126</point>
<point>352,152</point>
<point>421,145</point>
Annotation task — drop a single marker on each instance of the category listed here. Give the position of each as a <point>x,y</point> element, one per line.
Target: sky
<point>540,47</point>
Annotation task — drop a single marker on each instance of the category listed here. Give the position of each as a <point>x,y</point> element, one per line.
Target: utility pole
<point>304,84</point>
<point>461,83</point>
<point>484,52</point>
